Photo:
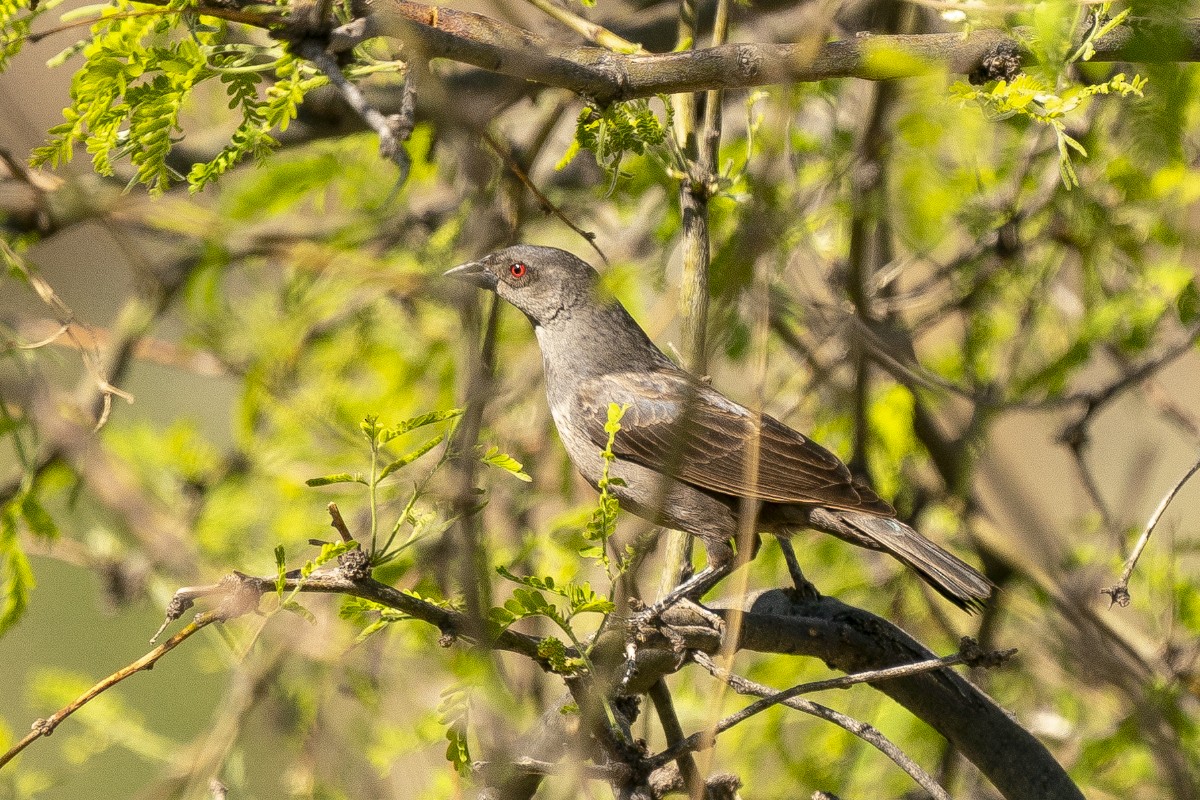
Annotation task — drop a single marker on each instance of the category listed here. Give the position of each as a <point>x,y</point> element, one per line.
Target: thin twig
<point>970,653</point>
<point>1119,594</point>
<point>387,128</point>
<point>860,729</point>
<point>588,29</point>
<point>544,201</point>
<point>45,727</point>
<point>339,524</point>
<point>92,360</point>
<point>664,706</point>
<point>1076,446</point>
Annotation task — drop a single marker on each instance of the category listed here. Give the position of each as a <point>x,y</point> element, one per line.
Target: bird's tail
<point>957,581</point>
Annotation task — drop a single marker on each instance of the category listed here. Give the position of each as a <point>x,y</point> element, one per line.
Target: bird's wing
<point>678,426</point>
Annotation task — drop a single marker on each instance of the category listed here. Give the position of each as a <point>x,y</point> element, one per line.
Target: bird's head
<point>543,282</point>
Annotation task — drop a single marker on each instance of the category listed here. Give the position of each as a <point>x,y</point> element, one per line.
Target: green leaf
<point>418,422</point>
<point>495,458</point>
<point>280,569</point>
<point>329,552</point>
<point>340,477</point>
<point>299,610</point>
<point>1187,304</point>
<point>412,456</point>
<point>454,713</point>
<point>355,608</point>
<point>16,575</point>
<point>501,616</point>
<point>371,428</point>
<point>372,629</point>
<point>40,522</point>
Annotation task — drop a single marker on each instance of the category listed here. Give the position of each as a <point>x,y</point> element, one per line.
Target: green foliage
<point>1102,25</point>
<point>252,138</point>
<point>330,551</point>
<point>454,712</point>
<point>17,576</point>
<point>373,617</point>
<point>603,522</point>
<point>140,70</point>
<point>531,601</point>
<point>379,438</point>
<point>1031,98</point>
<point>494,458</point>
<point>610,133</point>
<point>16,21</point>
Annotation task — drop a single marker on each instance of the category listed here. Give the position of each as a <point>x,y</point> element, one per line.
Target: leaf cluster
<point>141,68</point>
<point>1029,97</point>
<point>612,132</point>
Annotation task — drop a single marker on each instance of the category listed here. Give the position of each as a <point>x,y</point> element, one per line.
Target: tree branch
<point>853,640</point>
<point>606,76</point>
<point>45,727</point>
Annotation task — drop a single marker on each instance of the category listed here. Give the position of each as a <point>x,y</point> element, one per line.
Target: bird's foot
<point>669,618</point>
<point>644,622</point>
<point>805,591</point>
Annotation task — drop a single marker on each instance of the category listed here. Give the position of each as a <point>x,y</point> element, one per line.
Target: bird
<point>687,457</point>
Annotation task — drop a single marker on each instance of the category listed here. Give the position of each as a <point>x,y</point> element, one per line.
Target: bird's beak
<point>473,272</point>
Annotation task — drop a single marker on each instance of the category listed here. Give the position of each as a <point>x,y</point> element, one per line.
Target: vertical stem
<point>695,189</point>
<point>693,289</point>
<point>467,537</point>
<point>712,100</point>
<point>870,233</point>
<point>693,206</point>
<point>700,147</point>
<point>664,706</point>
<point>869,241</point>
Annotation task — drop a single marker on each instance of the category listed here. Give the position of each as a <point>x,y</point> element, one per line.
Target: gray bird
<point>688,455</point>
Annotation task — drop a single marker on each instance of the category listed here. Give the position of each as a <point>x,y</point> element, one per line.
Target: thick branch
<point>844,637</point>
<point>606,76</point>
<point>853,640</point>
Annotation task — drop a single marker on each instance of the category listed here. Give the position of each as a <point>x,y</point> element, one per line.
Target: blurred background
<point>1010,359</point>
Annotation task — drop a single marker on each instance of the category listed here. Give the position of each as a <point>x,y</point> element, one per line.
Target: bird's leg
<point>693,588</point>
<point>804,588</point>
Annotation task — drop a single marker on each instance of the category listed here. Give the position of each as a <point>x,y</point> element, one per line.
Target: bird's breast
<point>584,453</point>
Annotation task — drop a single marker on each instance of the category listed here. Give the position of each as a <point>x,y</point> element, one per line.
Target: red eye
<point>517,270</point>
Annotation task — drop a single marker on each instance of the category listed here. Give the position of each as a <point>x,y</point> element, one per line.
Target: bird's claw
<point>647,621</point>
<point>643,622</point>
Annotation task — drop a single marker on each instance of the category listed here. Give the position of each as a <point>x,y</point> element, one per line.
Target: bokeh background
<point>302,294</point>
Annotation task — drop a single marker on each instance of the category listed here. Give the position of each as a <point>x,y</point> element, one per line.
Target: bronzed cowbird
<point>686,455</point>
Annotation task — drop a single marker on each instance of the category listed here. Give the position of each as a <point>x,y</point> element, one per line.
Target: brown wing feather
<point>681,427</point>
